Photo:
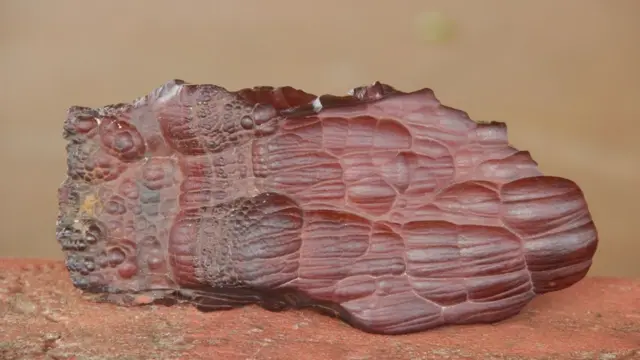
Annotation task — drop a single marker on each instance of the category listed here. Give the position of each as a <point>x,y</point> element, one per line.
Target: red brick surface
<point>43,317</point>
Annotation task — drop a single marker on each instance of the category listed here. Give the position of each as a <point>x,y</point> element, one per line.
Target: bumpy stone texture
<point>387,209</point>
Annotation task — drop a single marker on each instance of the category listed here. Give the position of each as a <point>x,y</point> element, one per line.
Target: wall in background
<point>563,75</point>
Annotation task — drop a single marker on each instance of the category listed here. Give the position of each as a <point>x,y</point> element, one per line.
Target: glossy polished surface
<point>389,209</point>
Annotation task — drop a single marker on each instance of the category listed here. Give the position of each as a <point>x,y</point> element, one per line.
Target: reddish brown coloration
<point>43,318</point>
<point>388,209</point>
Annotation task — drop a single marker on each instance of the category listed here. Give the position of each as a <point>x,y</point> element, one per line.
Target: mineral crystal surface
<point>385,208</point>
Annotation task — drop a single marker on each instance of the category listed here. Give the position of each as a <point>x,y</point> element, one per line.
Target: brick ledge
<point>46,318</point>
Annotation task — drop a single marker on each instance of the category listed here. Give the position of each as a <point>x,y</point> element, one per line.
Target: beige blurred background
<point>564,75</point>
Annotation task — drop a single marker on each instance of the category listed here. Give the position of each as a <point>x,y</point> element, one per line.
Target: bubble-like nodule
<point>84,124</point>
<point>246,122</point>
<point>262,113</point>
<point>123,142</point>
<point>116,257</point>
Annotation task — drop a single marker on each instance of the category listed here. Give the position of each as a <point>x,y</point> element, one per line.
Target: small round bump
<point>155,262</point>
<point>127,270</point>
<point>262,113</point>
<point>89,264</point>
<point>115,206</point>
<point>246,122</point>
<point>122,140</point>
<point>116,257</point>
<point>115,227</point>
<point>149,241</point>
<point>74,263</point>
<point>90,239</point>
<point>153,170</point>
<point>84,124</point>
<point>93,233</point>
<point>129,189</point>
<point>102,260</point>
<point>141,224</point>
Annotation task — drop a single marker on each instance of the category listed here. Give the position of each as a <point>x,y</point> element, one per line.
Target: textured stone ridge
<point>44,318</point>
<point>385,208</point>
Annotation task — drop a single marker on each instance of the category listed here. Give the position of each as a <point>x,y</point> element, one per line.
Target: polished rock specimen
<point>385,208</point>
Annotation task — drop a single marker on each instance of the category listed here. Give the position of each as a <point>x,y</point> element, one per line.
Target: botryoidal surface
<point>385,208</point>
